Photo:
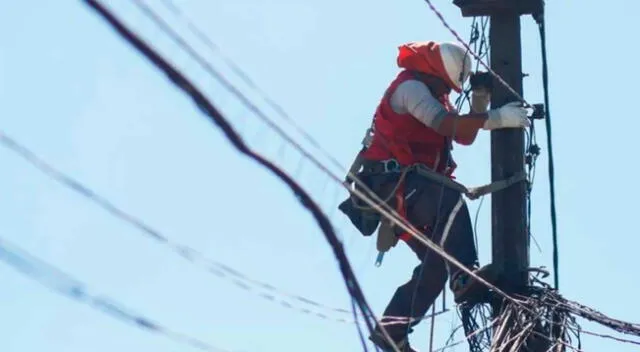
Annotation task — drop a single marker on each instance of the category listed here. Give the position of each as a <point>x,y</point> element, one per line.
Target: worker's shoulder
<point>412,88</point>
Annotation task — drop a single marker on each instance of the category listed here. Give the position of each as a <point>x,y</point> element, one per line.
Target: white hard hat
<point>457,62</point>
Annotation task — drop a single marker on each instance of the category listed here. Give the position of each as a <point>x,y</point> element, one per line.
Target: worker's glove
<point>481,87</point>
<point>510,115</point>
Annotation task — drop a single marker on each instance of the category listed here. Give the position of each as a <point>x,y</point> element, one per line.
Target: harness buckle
<point>391,165</point>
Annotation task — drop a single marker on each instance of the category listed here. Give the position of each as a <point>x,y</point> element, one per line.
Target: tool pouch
<point>364,219</point>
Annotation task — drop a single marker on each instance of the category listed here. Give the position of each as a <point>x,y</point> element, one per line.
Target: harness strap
<point>386,233</point>
<point>358,161</point>
<point>474,192</point>
<point>402,209</point>
<point>477,192</point>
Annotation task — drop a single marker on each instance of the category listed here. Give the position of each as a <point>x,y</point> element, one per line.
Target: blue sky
<point>76,94</point>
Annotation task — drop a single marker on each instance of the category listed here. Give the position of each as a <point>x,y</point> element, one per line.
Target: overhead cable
<point>218,119</point>
<point>55,279</point>
<point>185,252</point>
<point>214,49</point>
<point>547,122</point>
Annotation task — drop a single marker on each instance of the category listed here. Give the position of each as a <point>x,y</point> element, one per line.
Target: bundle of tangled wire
<point>538,319</point>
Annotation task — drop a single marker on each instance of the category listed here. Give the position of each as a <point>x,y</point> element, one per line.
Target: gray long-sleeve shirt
<point>413,97</point>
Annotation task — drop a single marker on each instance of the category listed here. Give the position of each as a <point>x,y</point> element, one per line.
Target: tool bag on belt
<point>388,184</point>
<point>362,215</point>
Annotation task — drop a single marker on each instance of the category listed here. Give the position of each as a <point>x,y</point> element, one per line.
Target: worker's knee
<point>432,272</point>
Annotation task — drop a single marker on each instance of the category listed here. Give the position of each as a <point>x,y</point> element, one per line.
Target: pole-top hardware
<point>472,8</point>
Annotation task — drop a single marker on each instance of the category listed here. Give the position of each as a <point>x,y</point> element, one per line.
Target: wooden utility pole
<point>509,210</point>
<point>508,207</point>
<point>510,238</point>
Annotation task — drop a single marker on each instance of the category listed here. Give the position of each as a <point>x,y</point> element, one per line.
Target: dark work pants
<point>438,210</point>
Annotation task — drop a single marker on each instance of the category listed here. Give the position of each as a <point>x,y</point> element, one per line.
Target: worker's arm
<point>480,98</point>
<point>414,97</point>
<point>462,128</point>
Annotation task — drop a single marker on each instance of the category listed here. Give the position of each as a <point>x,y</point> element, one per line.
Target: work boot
<point>379,340</point>
<point>465,287</point>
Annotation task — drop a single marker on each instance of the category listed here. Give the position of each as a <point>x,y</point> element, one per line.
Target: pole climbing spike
<point>379,259</point>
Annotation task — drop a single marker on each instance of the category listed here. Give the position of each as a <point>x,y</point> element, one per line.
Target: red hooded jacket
<point>402,136</point>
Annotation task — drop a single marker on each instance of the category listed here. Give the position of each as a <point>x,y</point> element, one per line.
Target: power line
<point>215,49</point>
<point>192,255</point>
<point>547,121</point>
<point>216,117</point>
<point>56,280</point>
<point>609,337</point>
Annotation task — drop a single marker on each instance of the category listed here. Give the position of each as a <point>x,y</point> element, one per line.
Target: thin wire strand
<point>62,283</point>
<point>457,36</point>
<point>215,49</point>
<point>217,268</point>
<point>192,255</point>
<point>217,118</point>
<point>610,337</point>
<point>467,337</point>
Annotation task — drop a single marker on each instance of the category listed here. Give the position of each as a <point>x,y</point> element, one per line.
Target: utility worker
<point>414,125</point>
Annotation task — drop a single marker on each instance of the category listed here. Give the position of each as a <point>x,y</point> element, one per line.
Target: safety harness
<point>386,237</point>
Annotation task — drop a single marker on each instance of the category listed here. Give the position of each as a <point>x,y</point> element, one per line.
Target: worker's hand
<point>511,115</point>
<point>480,99</point>
<point>481,80</point>
<point>481,87</point>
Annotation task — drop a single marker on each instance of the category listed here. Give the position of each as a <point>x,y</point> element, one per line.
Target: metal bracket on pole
<point>538,112</point>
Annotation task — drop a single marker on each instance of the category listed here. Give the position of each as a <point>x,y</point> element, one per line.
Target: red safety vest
<point>405,138</point>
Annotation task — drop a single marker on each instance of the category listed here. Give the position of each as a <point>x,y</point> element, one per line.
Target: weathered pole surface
<point>509,206</point>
